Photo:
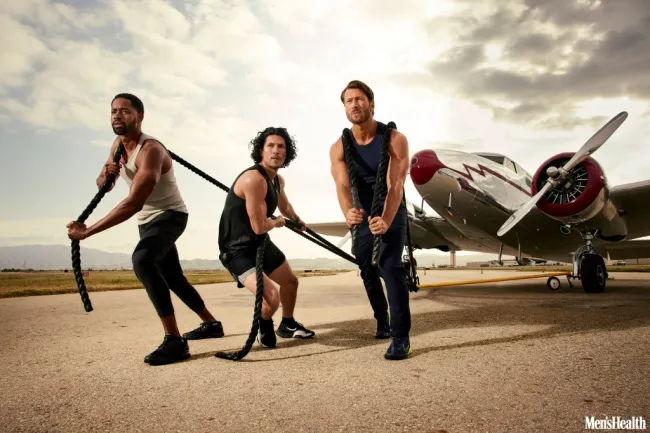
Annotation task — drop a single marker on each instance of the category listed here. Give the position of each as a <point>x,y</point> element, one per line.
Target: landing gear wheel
<point>593,273</point>
<point>553,283</point>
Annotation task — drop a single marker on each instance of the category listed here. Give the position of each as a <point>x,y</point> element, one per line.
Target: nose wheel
<point>589,267</point>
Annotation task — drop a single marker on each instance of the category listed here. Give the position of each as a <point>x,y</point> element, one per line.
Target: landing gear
<point>589,267</point>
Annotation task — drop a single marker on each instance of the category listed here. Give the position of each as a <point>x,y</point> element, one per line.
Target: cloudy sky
<point>528,78</point>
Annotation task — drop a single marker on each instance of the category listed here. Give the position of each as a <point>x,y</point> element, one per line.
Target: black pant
<point>390,269</point>
<point>157,266</point>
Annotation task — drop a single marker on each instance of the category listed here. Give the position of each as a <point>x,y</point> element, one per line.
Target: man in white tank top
<point>162,216</point>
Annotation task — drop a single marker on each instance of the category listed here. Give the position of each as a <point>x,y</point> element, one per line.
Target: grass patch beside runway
<point>15,284</point>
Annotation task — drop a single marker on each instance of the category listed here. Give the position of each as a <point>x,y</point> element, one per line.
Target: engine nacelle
<point>583,199</point>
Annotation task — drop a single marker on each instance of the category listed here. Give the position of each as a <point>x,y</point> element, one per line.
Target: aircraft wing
<point>628,249</point>
<point>339,228</point>
<point>633,198</point>
<point>427,232</point>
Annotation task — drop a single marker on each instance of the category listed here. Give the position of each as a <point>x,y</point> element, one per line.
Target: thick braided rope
<point>76,259</point>
<point>257,313</point>
<point>315,237</point>
<point>346,139</point>
<point>381,188</point>
<point>75,247</point>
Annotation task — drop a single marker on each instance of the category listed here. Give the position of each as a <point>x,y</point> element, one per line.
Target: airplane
<point>486,202</point>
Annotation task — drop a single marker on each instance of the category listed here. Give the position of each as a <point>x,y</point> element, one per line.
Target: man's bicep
<point>148,174</point>
<point>399,161</point>
<point>254,194</point>
<point>339,169</point>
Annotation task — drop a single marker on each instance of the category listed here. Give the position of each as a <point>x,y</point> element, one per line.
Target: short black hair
<point>257,144</point>
<point>135,101</point>
<point>357,84</point>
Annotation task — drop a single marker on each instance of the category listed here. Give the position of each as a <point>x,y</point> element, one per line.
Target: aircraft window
<point>496,158</point>
<point>529,182</point>
<point>509,164</point>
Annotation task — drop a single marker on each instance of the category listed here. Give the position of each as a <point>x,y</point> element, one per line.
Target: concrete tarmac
<point>495,357</point>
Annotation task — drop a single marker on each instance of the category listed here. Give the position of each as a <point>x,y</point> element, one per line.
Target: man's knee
<point>270,292</point>
<point>291,281</point>
<point>283,275</point>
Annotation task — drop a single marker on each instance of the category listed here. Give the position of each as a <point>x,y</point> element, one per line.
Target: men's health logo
<point>615,423</point>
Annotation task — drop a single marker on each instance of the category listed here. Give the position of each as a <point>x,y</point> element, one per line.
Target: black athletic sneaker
<point>171,350</point>
<point>400,348</point>
<point>292,329</point>
<point>206,330</point>
<point>266,336</point>
<point>383,328</point>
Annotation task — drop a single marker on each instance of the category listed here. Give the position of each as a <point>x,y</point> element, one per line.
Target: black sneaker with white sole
<point>172,349</point>
<point>206,330</point>
<point>289,328</point>
<point>266,336</point>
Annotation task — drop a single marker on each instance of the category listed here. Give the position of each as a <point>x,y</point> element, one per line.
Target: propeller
<point>556,176</point>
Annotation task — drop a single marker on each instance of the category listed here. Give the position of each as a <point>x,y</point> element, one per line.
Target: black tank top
<point>235,231</point>
<point>365,162</point>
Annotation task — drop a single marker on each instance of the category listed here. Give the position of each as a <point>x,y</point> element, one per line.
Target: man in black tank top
<point>358,100</point>
<point>247,215</point>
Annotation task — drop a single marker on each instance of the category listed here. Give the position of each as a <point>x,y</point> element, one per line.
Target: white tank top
<point>165,195</point>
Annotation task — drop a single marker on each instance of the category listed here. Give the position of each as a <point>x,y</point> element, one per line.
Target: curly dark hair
<point>256,145</point>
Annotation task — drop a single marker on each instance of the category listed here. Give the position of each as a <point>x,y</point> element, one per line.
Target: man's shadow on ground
<point>617,309</point>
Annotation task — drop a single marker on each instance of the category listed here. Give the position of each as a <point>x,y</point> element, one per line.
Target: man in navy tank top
<point>366,132</point>
<point>247,215</point>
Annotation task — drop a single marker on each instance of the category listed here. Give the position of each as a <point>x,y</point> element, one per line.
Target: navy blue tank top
<point>365,162</point>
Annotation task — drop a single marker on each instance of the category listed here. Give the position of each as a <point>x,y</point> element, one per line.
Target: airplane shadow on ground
<point>574,314</point>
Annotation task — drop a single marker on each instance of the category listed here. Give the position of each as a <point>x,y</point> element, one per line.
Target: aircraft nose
<point>424,164</point>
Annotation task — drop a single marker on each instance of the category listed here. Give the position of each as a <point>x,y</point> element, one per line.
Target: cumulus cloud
<point>212,73</point>
<point>532,61</point>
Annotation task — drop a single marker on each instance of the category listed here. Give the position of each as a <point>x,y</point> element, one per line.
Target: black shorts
<point>241,264</point>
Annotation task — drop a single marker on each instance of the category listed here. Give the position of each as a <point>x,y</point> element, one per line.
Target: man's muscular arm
<point>150,160</point>
<point>284,206</point>
<point>254,188</point>
<point>339,172</point>
<point>397,171</point>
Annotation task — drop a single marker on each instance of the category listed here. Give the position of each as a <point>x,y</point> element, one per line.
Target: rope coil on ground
<point>75,247</point>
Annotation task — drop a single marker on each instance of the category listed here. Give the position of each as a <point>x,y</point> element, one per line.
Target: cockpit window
<point>499,159</point>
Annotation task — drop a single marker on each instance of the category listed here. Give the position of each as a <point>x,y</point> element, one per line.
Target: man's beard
<point>365,115</point>
<point>121,129</point>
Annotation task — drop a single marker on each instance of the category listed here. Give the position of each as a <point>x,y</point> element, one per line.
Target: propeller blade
<point>522,211</point>
<point>596,140</point>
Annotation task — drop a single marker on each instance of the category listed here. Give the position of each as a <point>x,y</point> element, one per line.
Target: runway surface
<point>495,357</point>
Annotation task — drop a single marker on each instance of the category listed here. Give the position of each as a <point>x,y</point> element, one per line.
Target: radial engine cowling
<point>583,198</point>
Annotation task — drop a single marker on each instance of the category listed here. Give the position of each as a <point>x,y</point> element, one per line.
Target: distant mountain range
<point>59,257</point>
